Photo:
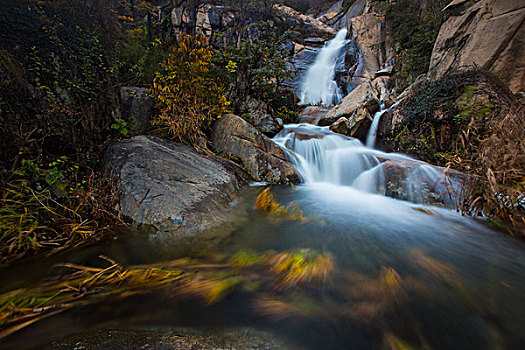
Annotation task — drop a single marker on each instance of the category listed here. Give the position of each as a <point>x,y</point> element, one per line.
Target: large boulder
<point>312,114</point>
<point>489,34</point>
<point>234,138</point>
<point>289,12</point>
<point>361,95</point>
<point>169,189</point>
<point>137,108</point>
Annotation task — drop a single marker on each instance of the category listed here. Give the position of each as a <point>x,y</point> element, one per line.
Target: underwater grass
<point>266,202</point>
<point>22,307</point>
<point>209,282</point>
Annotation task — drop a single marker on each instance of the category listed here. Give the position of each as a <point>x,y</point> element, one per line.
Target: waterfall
<point>372,132</point>
<point>321,156</point>
<point>318,84</point>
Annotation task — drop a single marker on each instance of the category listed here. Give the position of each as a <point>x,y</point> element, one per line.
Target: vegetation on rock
<point>58,100</point>
<point>414,26</point>
<point>470,122</point>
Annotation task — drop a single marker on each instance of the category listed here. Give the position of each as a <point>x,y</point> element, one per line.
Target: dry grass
<point>35,222</point>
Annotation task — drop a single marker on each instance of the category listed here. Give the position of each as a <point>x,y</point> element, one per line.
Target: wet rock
<point>419,183</point>
<point>340,126</point>
<point>137,108</point>
<point>170,189</point>
<point>279,122</point>
<point>312,114</point>
<point>361,95</point>
<point>261,157</point>
<point>489,34</point>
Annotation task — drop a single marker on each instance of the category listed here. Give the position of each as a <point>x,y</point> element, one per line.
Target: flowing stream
<point>404,273</point>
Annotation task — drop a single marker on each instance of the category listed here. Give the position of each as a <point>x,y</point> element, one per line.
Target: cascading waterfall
<point>321,156</point>
<point>318,84</point>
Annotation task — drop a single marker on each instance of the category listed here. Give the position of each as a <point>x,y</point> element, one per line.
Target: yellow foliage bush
<point>189,96</point>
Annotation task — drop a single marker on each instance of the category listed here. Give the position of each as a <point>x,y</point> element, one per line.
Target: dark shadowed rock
<point>169,188</point>
<point>261,157</point>
<point>359,123</point>
<point>340,126</point>
<point>137,108</point>
<point>266,124</point>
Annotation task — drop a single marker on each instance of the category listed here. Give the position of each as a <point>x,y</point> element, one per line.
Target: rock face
<point>137,108</point>
<point>314,22</point>
<point>169,188</point>
<point>370,35</point>
<point>204,19</point>
<point>489,34</point>
<point>261,157</point>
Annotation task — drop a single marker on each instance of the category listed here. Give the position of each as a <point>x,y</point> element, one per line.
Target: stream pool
<point>405,276</point>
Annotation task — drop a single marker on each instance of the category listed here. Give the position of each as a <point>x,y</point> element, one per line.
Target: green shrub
<point>414,26</point>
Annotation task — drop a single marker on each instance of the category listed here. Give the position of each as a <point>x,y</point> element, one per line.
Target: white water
<point>318,85</point>
<point>321,156</point>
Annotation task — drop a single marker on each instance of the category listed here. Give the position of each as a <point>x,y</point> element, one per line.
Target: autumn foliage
<point>189,96</point>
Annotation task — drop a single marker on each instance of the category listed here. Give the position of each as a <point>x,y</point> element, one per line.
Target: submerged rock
<point>170,189</point>
<point>263,159</point>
